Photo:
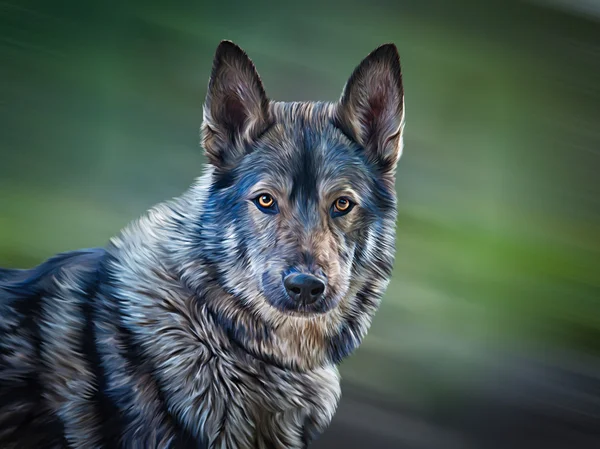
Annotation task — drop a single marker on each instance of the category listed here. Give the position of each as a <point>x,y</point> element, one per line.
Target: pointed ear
<point>236,109</point>
<point>371,109</point>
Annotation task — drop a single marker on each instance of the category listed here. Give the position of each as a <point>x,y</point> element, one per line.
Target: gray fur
<point>175,335</point>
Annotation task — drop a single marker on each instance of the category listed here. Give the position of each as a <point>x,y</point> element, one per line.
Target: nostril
<point>317,290</point>
<point>295,290</point>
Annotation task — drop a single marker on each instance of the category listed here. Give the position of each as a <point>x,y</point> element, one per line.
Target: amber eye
<point>266,203</point>
<point>341,206</point>
<point>265,200</point>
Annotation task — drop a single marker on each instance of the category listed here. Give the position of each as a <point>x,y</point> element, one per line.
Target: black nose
<point>304,287</point>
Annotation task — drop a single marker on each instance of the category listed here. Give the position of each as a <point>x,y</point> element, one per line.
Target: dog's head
<point>298,220</point>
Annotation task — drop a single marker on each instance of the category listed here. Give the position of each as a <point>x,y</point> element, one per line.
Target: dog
<point>218,319</point>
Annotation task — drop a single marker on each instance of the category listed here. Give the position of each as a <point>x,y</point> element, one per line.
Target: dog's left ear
<point>371,109</point>
<point>236,109</point>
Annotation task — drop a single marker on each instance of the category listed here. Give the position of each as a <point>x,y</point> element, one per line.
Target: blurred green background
<point>498,245</point>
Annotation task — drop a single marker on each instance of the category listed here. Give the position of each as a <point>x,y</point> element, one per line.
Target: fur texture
<point>181,333</point>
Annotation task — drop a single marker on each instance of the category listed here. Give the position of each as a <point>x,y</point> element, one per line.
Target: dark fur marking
<point>111,426</point>
<point>304,176</point>
<point>20,292</point>
<point>309,431</point>
<point>134,355</point>
<point>223,179</point>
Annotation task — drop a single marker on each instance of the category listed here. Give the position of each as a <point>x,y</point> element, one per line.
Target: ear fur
<point>371,108</point>
<point>236,109</point>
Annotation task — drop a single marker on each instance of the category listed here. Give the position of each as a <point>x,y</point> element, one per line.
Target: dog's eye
<point>266,203</point>
<point>341,206</point>
<point>266,200</point>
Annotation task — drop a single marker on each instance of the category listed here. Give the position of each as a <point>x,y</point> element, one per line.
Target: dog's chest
<point>259,406</point>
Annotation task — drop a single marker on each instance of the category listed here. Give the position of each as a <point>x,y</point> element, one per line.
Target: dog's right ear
<point>236,109</point>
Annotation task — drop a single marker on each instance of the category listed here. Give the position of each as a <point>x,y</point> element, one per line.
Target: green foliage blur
<point>499,227</point>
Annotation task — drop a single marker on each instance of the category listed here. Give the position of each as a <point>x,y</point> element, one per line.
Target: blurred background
<point>489,334</point>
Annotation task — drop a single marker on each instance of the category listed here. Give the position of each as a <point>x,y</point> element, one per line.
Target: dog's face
<point>295,210</point>
<point>299,217</point>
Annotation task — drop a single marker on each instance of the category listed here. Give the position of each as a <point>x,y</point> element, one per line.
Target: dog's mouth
<point>290,307</point>
<point>306,311</point>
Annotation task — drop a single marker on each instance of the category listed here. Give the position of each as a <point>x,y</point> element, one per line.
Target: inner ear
<point>235,116</point>
<point>236,109</point>
<point>237,113</point>
<point>371,109</point>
